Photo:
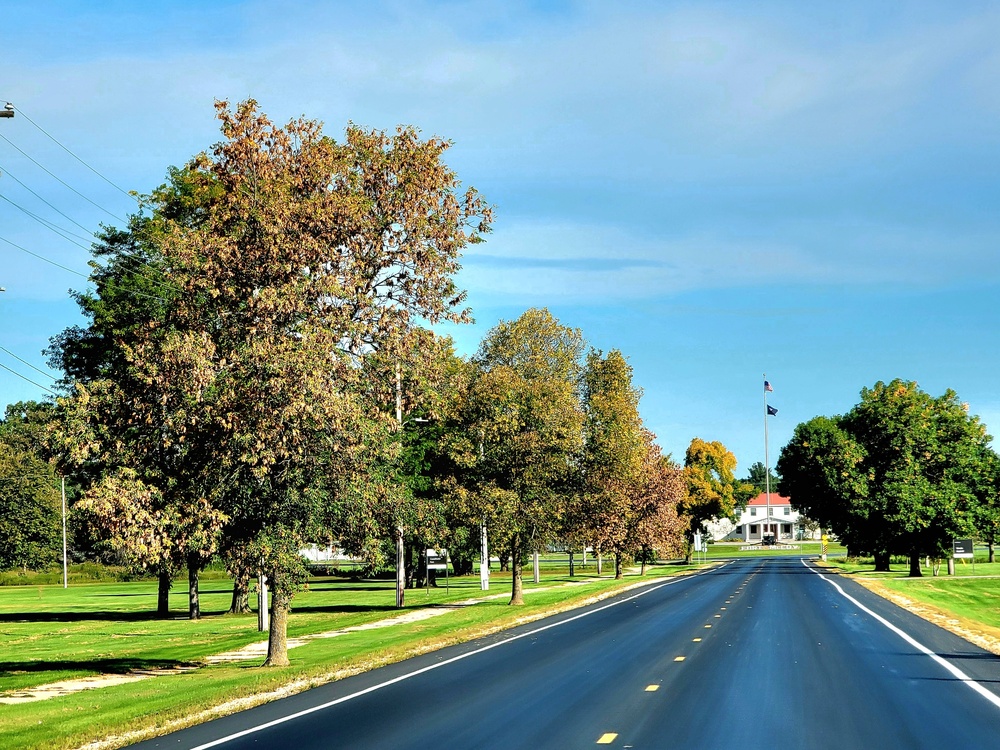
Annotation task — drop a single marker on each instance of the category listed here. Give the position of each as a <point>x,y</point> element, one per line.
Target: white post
<point>65,576</point>
<point>535,566</point>
<point>400,551</point>
<point>767,472</point>
<point>484,560</point>
<point>263,623</point>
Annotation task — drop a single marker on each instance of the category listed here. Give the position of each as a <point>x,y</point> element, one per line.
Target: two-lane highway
<point>768,653</point>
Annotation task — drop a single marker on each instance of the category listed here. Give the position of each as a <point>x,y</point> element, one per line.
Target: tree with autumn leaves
<point>234,393</point>
<point>629,494</point>
<point>308,255</point>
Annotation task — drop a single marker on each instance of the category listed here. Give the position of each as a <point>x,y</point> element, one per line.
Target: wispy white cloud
<point>533,261</point>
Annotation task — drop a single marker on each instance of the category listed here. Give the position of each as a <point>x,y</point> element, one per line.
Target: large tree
<point>902,473</point>
<point>30,503</point>
<point>308,255</point>
<point>713,492</point>
<point>612,463</point>
<point>524,411</point>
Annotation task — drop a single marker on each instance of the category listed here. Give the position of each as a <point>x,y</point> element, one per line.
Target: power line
<point>15,372</point>
<point>42,257</point>
<point>65,234</point>
<point>64,148</point>
<point>25,362</point>
<point>61,181</point>
<point>68,218</point>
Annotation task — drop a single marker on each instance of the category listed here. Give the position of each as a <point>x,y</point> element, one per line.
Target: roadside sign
<point>963,548</point>
<point>437,559</point>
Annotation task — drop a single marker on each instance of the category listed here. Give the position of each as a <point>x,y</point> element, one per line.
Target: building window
<point>753,511</point>
<point>786,528</point>
<point>753,528</point>
<point>738,530</point>
<point>788,511</point>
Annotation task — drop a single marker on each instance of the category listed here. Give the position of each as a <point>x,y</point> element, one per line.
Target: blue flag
<point>771,411</point>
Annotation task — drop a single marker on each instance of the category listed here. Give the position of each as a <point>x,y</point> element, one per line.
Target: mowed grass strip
<point>52,634</point>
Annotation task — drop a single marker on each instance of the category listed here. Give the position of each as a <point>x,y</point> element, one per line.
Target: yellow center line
<point>718,615</point>
<point>697,640</point>
<point>607,738</point>
<point>678,658</point>
<point>708,626</point>
<point>652,688</point>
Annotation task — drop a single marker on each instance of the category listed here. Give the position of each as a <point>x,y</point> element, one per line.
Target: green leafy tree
<point>524,410</point>
<point>902,473</point>
<point>30,510</point>
<point>762,479</point>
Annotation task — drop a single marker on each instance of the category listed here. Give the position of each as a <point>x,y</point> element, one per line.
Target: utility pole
<point>7,111</point>
<point>400,549</point>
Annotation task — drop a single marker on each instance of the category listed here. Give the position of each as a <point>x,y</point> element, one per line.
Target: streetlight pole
<point>7,111</point>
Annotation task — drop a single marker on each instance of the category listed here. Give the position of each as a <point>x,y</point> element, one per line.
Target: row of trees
<point>902,473</point>
<point>258,373</point>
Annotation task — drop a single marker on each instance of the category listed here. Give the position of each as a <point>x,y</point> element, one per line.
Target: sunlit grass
<point>52,634</point>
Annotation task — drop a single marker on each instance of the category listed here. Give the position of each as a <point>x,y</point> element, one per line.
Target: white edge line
<point>951,668</point>
<point>408,675</point>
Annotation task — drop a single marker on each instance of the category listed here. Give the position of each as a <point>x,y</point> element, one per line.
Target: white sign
<point>697,542</point>
<point>437,559</point>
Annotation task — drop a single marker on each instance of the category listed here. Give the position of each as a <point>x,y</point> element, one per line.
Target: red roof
<point>776,499</point>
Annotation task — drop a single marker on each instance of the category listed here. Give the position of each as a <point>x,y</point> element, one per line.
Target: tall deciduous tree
<point>307,256</point>
<point>903,472</point>
<point>612,462</point>
<point>524,410</point>
<point>713,492</point>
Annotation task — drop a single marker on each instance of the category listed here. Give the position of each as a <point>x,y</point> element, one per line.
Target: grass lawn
<point>725,550</point>
<point>51,634</point>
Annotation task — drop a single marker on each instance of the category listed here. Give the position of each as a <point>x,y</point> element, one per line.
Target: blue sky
<point>717,189</point>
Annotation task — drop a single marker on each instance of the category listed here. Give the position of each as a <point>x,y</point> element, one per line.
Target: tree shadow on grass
<point>124,665</point>
<point>103,616</point>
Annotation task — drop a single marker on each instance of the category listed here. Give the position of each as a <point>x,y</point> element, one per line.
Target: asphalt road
<point>763,653</point>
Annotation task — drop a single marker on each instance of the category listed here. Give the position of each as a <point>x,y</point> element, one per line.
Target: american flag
<point>767,387</point>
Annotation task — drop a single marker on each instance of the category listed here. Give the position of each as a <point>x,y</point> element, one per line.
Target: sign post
<point>964,549</point>
<point>437,559</point>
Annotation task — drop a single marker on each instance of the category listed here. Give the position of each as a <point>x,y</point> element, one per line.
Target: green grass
<point>51,634</point>
<point>723,550</point>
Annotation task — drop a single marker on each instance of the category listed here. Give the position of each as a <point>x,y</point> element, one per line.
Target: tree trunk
<point>241,594</point>
<point>600,562</point>
<point>516,582</point>
<point>915,571</point>
<point>194,605</point>
<point>990,546</point>
<point>277,634</point>
<point>882,561</point>
<point>164,582</point>
<point>619,571</point>
<point>571,569</point>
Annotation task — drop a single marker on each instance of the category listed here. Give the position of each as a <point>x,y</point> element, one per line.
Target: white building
<point>764,516</point>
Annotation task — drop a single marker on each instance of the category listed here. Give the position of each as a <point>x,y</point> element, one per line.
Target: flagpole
<point>767,468</point>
